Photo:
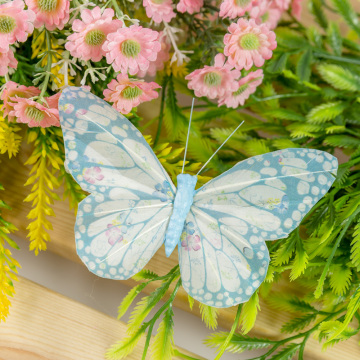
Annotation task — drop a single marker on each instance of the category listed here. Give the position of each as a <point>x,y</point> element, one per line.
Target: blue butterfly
<point>220,229</point>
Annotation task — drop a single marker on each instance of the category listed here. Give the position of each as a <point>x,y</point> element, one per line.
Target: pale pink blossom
<point>246,86</point>
<point>213,81</point>
<point>51,13</point>
<point>235,8</point>
<point>271,17</point>
<point>14,90</point>
<point>162,58</point>
<point>34,114</point>
<point>132,49</point>
<point>296,9</point>
<point>282,5</point>
<point>15,23</point>
<point>7,60</point>
<point>127,93</point>
<point>248,44</point>
<point>192,242</point>
<point>90,34</point>
<point>190,6</point>
<point>159,10</point>
<point>93,175</point>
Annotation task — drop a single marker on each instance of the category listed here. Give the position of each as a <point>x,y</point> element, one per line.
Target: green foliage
<point>249,313</point>
<point>209,315</point>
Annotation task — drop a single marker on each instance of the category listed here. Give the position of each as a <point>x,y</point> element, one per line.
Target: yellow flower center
<point>130,93</point>
<point>241,89</point>
<point>34,113</point>
<point>249,42</point>
<point>7,24</point>
<point>130,48</point>
<point>95,37</point>
<point>242,3</point>
<point>212,79</point>
<point>47,5</point>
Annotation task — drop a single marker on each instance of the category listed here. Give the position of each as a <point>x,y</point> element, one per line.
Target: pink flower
<point>34,114</point>
<point>113,234</point>
<point>191,243</point>
<point>162,58</point>
<point>14,90</point>
<point>282,5</point>
<point>235,8</point>
<point>248,44</point>
<point>213,81</point>
<point>190,6</point>
<point>159,10</point>
<point>271,17</point>
<point>93,175</point>
<point>7,59</point>
<point>15,23</point>
<point>269,13</point>
<point>90,34</point>
<point>51,13</point>
<point>127,93</point>
<point>246,86</point>
<point>132,49</point>
<point>296,9</point>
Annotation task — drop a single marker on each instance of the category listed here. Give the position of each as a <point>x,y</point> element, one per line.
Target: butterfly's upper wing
<point>122,223</point>
<point>223,256</point>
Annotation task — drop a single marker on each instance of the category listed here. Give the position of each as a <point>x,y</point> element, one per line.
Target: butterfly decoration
<point>220,229</point>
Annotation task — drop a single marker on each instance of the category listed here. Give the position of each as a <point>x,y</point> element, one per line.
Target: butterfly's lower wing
<point>122,223</point>
<point>262,198</point>
<point>117,236</point>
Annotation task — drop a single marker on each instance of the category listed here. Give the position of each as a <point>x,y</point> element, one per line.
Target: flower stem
<point>162,107</point>
<point>117,8</point>
<point>48,65</point>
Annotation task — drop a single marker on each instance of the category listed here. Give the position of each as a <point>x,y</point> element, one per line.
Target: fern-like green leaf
<point>284,114</point>
<point>335,38</point>
<point>290,304</point>
<point>326,112</point>
<point>145,274</point>
<point>249,313</point>
<point>355,246</point>
<point>287,353</point>
<point>129,298</point>
<point>238,343</point>
<point>303,67</point>
<point>299,323</point>
<point>345,9</point>
<point>209,315</point>
<point>343,141</point>
<point>163,345</point>
<point>284,253</point>
<point>339,77</point>
<point>300,261</point>
<point>317,9</point>
<point>340,278</point>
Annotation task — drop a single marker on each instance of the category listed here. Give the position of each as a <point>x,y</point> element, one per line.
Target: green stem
<point>337,58</point>
<point>162,107</point>
<point>48,65</point>
<point>231,333</point>
<point>184,356</point>
<point>117,8</point>
<point>318,290</point>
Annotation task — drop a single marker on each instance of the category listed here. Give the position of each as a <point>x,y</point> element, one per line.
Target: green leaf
<point>145,274</point>
<point>278,63</point>
<point>284,114</point>
<point>316,7</point>
<point>344,141</point>
<point>335,38</point>
<point>209,315</point>
<point>303,67</point>
<point>340,278</point>
<point>238,343</point>
<point>355,246</point>
<point>345,9</point>
<point>287,353</point>
<point>290,304</point>
<point>249,313</point>
<point>326,112</point>
<point>290,39</point>
<point>163,345</point>
<point>129,298</point>
<point>339,77</point>
<point>300,261</point>
<point>284,253</point>
<point>299,323</point>
<point>191,302</point>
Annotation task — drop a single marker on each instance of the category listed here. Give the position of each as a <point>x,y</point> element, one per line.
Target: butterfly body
<point>183,200</point>
<point>220,229</point>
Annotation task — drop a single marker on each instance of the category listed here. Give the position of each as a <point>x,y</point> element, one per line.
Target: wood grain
<point>44,325</point>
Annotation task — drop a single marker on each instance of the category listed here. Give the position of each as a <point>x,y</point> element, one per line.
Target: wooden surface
<point>44,325</point>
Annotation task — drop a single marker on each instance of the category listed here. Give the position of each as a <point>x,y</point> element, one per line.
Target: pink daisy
<point>296,9</point>
<point>15,23</point>
<point>127,93</point>
<point>282,5</point>
<point>14,90</point>
<point>7,60</point>
<point>190,6</point>
<point>213,81</point>
<point>246,86</point>
<point>235,8</point>
<point>51,13</point>
<point>90,34</point>
<point>34,114</point>
<point>162,58</point>
<point>159,10</point>
<point>271,17</point>
<point>132,49</point>
<point>248,44</point>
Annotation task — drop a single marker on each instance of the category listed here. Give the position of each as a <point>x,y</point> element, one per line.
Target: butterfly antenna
<point>187,139</point>
<point>219,148</point>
